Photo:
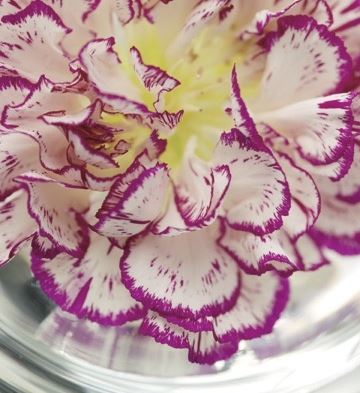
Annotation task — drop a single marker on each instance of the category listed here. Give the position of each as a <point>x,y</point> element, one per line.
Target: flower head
<point>167,160</point>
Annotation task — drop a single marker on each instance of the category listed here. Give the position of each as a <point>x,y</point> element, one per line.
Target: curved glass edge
<point>45,350</point>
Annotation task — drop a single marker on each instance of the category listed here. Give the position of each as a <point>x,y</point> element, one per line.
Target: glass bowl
<point>46,350</point>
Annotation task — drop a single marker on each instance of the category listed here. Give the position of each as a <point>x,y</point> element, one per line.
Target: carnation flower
<point>167,161</point>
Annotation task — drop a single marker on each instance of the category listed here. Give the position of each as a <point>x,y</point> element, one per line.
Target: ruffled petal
<point>319,128</point>
<point>134,201</point>
<point>18,154</point>
<point>171,223</point>
<point>200,191</point>
<point>154,79</point>
<point>311,254</point>
<point>318,60</point>
<point>68,118</point>
<point>242,120</point>
<point>56,209</point>
<point>258,196</point>
<point>305,199</point>
<point>127,10</point>
<point>336,227</point>
<point>202,14</point>
<point>203,347</point>
<point>84,152</point>
<point>34,33</point>
<point>261,301</point>
<point>90,286</point>
<point>346,15</point>
<point>318,9</point>
<point>334,170</point>
<point>26,118</point>
<point>182,279</point>
<point>259,254</point>
<point>13,91</point>
<point>348,188</point>
<point>16,225</point>
<point>42,247</point>
<point>111,83</point>
<point>75,15</point>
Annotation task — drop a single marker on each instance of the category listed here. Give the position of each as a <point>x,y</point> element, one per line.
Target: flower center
<point>203,69</point>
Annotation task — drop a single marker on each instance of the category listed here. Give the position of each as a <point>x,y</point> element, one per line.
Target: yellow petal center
<point>203,70</point>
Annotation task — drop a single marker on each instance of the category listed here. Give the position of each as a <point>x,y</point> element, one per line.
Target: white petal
<point>258,196</point>
<point>317,59</point>
<point>16,225</point>
<point>56,209</point>
<point>261,301</point>
<point>90,286</point>
<point>181,278</point>
<point>30,43</point>
<point>134,201</point>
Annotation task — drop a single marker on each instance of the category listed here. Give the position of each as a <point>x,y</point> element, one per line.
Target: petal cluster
<point>175,162</point>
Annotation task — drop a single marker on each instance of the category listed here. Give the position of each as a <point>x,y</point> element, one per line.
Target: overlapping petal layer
<point>175,162</point>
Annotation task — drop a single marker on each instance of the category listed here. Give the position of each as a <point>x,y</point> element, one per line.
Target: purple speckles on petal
<point>175,162</point>
<point>89,286</point>
<point>197,291</point>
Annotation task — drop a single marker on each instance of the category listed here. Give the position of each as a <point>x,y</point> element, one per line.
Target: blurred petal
<point>16,225</point>
<point>34,33</point>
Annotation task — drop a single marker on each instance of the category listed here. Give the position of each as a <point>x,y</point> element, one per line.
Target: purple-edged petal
<point>56,209</point>
<point>242,120</point>
<point>181,278</point>
<point>171,223</point>
<point>311,254</point>
<point>134,201</point>
<point>26,118</point>
<point>347,245</point>
<point>318,61</point>
<point>261,301</point>
<point>163,331</point>
<point>90,286</point>
<point>154,79</point>
<point>13,91</point>
<point>318,128</point>
<point>258,196</point>
<point>200,191</point>
<point>334,170</point>
<point>127,10</point>
<point>70,118</point>
<point>75,15</point>
<point>259,254</point>
<point>16,225</point>
<point>34,34</point>
<point>203,347</point>
<point>84,152</point>
<point>264,18</point>
<point>346,24</point>
<point>348,188</point>
<point>337,227</point>
<point>305,198</point>
<point>193,325</point>
<point>202,14</point>
<point>18,154</point>
<point>108,78</point>
<point>43,247</point>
